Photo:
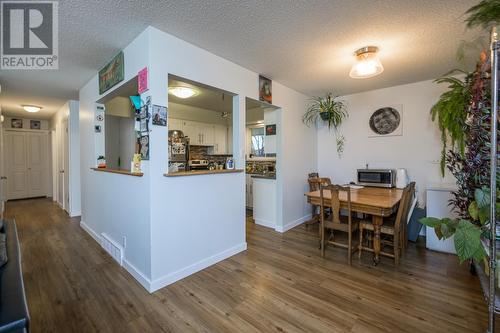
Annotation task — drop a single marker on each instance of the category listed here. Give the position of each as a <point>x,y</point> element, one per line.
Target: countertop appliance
<point>178,151</point>
<point>402,179</point>
<point>376,177</point>
<point>198,164</point>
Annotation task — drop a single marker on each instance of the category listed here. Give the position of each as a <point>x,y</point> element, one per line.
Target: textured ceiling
<point>306,45</point>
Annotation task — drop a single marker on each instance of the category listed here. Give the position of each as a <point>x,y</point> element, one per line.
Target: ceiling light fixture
<point>183,92</point>
<point>31,108</point>
<point>367,63</point>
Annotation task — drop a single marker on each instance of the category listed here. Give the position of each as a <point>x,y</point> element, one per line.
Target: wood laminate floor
<point>280,284</point>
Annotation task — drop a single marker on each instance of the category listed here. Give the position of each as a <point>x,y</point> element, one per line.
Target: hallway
<point>280,284</point>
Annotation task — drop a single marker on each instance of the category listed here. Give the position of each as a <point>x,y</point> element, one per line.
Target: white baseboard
<point>91,232</point>
<point>75,214</point>
<point>138,275</point>
<point>293,224</point>
<point>196,267</point>
<point>265,223</point>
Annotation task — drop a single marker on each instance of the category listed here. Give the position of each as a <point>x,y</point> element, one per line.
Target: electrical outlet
<point>124,241</point>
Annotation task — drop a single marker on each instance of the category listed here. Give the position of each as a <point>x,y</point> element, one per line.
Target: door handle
<point>3,178</point>
<point>62,171</point>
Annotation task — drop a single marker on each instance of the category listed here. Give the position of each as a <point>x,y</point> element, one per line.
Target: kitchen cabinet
<point>199,134</point>
<point>174,124</point>
<point>229,141</point>
<point>220,139</point>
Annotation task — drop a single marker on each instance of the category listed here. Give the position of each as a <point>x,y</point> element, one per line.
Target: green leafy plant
<point>450,111</point>
<point>485,14</point>
<point>331,110</point>
<point>468,233</point>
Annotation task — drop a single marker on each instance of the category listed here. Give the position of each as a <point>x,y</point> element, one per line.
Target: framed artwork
<point>265,89</point>
<point>112,73</point>
<point>142,81</point>
<point>35,124</point>
<point>159,115</point>
<point>386,121</point>
<point>144,147</point>
<point>16,123</point>
<point>271,129</point>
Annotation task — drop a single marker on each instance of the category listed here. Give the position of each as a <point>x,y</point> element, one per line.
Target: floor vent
<point>112,247</point>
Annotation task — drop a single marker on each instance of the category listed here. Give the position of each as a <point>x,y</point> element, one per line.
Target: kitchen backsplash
<point>260,167</point>
<point>203,153</point>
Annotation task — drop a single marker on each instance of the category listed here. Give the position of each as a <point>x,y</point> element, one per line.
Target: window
<point>257,135</point>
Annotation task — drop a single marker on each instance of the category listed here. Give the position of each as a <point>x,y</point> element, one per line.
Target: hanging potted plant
<point>330,110</point>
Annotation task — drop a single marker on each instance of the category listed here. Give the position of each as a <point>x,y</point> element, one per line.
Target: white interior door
<point>65,173</point>
<point>17,165</point>
<point>37,164</point>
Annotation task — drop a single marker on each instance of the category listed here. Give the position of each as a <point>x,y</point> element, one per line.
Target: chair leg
<point>322,240</point>
<point>360,245</point>
<point>396,249</point>
<point>349,249</point>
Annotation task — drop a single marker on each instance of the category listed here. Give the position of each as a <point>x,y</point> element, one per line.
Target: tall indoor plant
<point>467,103</point>
<point>331,110</point>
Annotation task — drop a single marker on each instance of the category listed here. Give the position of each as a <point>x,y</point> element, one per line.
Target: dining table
<point>375,201</point>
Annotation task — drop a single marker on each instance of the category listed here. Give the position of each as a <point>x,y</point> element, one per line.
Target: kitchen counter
<point>201,172</point>
<point>263,176</point>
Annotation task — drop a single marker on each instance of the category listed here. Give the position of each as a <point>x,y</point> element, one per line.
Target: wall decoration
<point>271,129</point>
<point>97,128</point>
<point>136,164</point>
<point>16,123</point>
<point>112,73</point>
<point>144,147</point>
<point>265,89</point>
<point>99,117</point>
<point>35,124</point>
<point>159,115</point>
<point>142,81</point>
<point>143,125</point>
<point>386,121</point>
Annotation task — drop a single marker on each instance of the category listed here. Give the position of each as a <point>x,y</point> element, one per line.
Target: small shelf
<point>119,171</point>
<point>485,282</point>
<point>201,172</point>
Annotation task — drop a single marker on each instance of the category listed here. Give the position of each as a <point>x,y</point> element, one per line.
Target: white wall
<point>176,226</point>
<point>197,221</point>
<point>418,149</point>
<point>115,204</point>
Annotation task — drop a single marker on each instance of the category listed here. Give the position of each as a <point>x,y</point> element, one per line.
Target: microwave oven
<point>377,177</point>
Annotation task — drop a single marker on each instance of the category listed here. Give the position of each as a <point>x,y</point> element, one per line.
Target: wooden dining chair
<point>409,202</point>
<point>391,227</point>
<point>315,184</point>
<point>335,221</point>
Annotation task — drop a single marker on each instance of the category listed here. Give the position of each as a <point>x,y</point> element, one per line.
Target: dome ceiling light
<point>182,92</point>
<point>367,63</point>
<point>31,108</point>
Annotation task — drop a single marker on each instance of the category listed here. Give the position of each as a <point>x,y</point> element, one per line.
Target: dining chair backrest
<point>402,209</point>
<point>316,183</point>
<point>313,175</point>
<point>334,200</point>
<point>409,200</point>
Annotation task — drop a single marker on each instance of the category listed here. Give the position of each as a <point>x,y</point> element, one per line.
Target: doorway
<point>26,158</point>
<point>261,120</point>
<point>63,164</point>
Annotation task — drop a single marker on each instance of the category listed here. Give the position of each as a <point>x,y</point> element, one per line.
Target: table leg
<point>377,224</point>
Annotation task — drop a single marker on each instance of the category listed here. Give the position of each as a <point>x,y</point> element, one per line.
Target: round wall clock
<point>385,120</point>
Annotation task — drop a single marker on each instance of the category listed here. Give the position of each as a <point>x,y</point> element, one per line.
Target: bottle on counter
<point>229,163</point>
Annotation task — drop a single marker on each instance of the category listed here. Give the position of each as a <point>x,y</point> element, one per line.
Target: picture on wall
<point>35,124</point>
<point>265,89</point>
<point>159,115</point>
<point>271,129</point>
<point>112,73</point>
<point>386,121</point>
<point>16,123</point>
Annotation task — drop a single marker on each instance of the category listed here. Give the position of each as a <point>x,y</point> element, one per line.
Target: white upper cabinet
<point>220,139</point>
<point>200,134</point>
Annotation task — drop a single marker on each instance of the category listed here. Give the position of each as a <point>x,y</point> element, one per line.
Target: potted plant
<point>330,110</point>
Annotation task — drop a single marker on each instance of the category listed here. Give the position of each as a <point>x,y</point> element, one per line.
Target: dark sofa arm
<point>14,316</point>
